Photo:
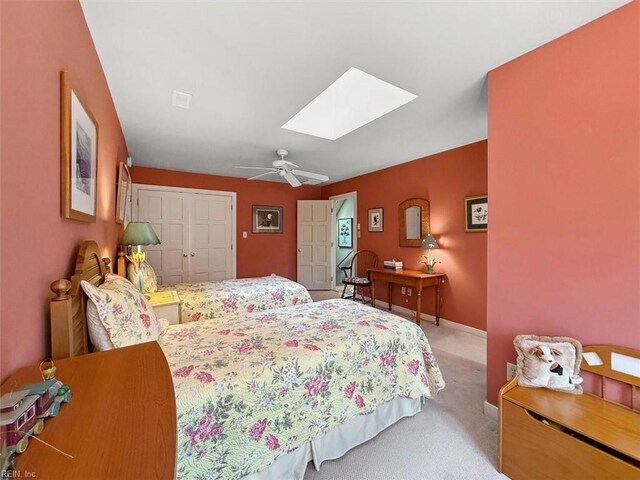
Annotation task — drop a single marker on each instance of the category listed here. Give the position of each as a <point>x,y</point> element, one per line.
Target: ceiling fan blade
<point>289,177</point>
<point>315,176</point>
<point>259,168</point>
<point>261,175</point>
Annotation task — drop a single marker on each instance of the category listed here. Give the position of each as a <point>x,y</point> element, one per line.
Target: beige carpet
<point>449,439</point>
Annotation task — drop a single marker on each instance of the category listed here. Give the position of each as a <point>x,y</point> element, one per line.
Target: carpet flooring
<point>450,439</point>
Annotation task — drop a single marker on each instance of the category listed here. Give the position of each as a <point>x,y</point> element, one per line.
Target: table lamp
<point>429,243</point>
<point>139,234</point>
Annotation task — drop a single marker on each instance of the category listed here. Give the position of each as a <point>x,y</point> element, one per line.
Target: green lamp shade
<point>429,243</point>
<point>139,233</point>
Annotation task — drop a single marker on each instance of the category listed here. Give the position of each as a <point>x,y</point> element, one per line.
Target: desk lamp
<point>429,243</point>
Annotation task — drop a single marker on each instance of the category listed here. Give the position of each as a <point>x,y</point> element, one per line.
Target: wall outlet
<point>511,370</point>
<point>403,290</point>
<point>408,292</point>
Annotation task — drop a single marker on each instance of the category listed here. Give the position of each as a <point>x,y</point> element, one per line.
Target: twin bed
<point>259,394</point>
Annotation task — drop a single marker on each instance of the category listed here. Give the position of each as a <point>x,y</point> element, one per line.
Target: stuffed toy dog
<point>550,362</point>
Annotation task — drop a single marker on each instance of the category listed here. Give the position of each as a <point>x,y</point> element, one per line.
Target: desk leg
<point>419,305</point>
<point>438,303</point>
<point>390,288</point>
<point>373,293</point>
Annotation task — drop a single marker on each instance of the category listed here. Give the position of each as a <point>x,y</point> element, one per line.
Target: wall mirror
<point>413,216</point>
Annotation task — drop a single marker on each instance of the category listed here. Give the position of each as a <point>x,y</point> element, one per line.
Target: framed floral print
<point>345,232</point>
<point>376,220</point>
<point>476,213</point>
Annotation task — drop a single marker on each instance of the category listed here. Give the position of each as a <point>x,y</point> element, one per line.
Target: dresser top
<point>120,422</point>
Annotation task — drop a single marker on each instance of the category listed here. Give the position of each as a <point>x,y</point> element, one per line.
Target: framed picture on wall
<point>476,213</point>
<point>123,192</point>
<point>267,219</point>
<point>375,219</point>
<point>345,232</point>
<point>79,155</point>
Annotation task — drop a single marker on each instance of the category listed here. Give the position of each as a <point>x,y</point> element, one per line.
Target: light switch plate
<point>244,234</point>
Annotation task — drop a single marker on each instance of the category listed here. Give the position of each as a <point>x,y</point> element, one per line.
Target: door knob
<point>193,254</point>
<point>299,250</point>
<point>185,255</point>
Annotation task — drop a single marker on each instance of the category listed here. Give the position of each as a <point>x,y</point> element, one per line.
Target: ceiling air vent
<point>181,99</point>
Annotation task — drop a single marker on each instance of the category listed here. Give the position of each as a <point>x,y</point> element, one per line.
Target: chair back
<point>362,261</point>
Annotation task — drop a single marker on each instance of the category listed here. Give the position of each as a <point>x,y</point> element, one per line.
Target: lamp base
<point>430,269</point>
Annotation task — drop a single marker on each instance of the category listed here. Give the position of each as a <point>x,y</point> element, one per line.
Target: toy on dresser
<point>22,414</point>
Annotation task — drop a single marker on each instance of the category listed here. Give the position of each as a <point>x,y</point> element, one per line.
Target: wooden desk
<point>408,278</point>
<point>120,422</point>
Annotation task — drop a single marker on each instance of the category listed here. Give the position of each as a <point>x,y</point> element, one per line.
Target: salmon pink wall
<point>564,183</point>
<point>260,253</point>
<point>444,179</point>
<point>38,40</point>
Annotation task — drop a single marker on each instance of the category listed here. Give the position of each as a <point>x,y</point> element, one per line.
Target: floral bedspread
<point>254,387</point>
<point>214,300</point>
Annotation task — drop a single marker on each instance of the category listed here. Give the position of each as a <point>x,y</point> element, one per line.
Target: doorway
<point>346,231</point>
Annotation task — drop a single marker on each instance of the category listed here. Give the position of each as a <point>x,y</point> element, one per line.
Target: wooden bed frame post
<point>61,320</point>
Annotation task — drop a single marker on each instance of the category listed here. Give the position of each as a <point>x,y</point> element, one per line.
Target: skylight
<point>353,100</point>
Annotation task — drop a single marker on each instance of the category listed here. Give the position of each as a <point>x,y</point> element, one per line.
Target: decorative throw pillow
<point>97,333</point>
<point>550,362</point>
<point>124,312</point>
<point>149,278</point>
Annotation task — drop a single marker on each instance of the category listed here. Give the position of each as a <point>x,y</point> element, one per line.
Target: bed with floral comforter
<point>253,387</point>
<point>215,300</point>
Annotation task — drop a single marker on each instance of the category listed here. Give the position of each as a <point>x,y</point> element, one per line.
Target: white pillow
<point>149,277</point>
<point>123,311</point>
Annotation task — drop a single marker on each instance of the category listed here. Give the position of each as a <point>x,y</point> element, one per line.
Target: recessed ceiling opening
<point>353,100</point>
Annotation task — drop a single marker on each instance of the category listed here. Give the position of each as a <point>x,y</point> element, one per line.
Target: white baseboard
<point>430,318</point>
<point>490,411</point>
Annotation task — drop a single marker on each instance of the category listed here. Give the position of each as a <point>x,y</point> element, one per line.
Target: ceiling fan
<point>289,171</point>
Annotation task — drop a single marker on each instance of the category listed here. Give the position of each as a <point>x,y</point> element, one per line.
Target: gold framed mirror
<point>413,221</point>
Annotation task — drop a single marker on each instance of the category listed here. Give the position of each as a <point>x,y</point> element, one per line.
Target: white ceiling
<point>251,66</point>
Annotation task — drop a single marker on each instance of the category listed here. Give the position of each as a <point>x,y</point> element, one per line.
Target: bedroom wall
<point>564,183</point>
<point>38,40</point>
<point>444,179</point>
<point>260,253</point>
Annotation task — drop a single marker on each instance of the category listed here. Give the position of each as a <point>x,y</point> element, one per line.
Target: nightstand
<point>166,304</point>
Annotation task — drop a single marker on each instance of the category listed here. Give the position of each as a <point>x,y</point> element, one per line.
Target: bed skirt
<point>339,440</point>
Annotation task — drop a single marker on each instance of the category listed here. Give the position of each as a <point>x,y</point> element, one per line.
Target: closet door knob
<point>193,254</point>
<point>185,255</point>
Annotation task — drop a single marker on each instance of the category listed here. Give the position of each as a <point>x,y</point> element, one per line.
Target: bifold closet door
<point>211,238</point>
<point>196,231</point>
<point>168,214</point>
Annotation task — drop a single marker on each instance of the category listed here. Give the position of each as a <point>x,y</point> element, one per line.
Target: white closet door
<point>211,238</point>
<point>314,244</point>
<point>168,213</point>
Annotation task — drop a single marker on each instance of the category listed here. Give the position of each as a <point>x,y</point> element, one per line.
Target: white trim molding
<point>430,318</point>
<point>491,411</point>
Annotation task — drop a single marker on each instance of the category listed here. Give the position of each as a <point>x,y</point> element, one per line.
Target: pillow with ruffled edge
<point>124,312</point>
<point>149,277</point>
<point>549,362</point>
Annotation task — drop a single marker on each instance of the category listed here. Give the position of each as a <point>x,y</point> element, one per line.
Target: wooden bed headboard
<point>69,334</point>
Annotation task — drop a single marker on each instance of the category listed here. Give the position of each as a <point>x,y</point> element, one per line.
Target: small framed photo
<point>345,232</point>
<point>267,219</point>
<point>79,152</point>
<point>375,219</point>
<point>123,193</point>
<point>476,213</point>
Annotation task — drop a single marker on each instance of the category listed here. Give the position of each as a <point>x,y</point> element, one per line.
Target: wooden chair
<point>356,273</point>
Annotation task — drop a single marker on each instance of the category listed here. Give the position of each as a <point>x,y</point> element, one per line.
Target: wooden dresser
<point>546,434</point>
<point>120,422</point>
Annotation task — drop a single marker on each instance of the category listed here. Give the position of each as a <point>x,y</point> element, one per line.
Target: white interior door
<point>168,214</point>
<point>211,240</point>
<point>314,244</point>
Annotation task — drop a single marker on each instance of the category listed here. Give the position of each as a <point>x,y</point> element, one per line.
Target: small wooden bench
<point>546,434</point>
